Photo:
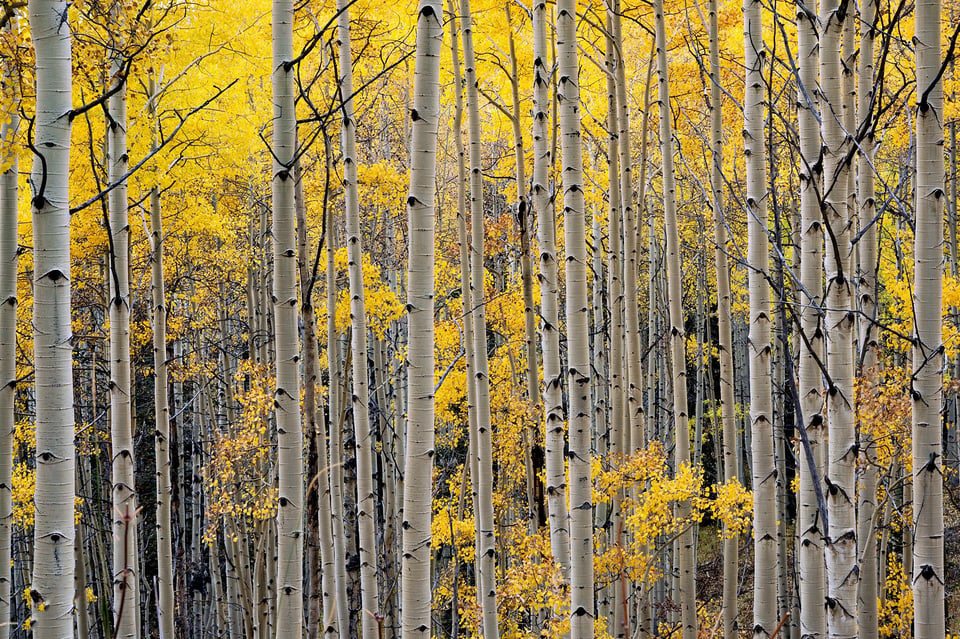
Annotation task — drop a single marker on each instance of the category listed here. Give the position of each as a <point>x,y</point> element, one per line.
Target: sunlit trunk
<point>289,557</point>
<point>417,501</point>
<point>928,562</point>
<point>51,588</point>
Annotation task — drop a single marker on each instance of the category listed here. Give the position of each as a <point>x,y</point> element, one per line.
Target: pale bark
<point>731,540</point>
<point>486,585</point>
<point>358,329</point>
<point>53,567</point>
<point>165,603</point>
<point>289,555</point>
<point>927,395</point>
<point>469,345</point>
<point>761,398</point>
<point>810,525</point>
<point>578,327</point>
<point>417,502</point>
<point>687,580</point>
<point>8,324</point>
<point>840,478</point>
<point>635,416</point>
<point>126,597</point>
<point>549,297</point>
<point>525,222</point>
<point>867,333</point>
<point>323,619</point>
<point>619,431</point>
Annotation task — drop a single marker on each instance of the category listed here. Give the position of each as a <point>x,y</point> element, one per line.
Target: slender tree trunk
<point>335,425</point>
<point>8,325</point>
<point>289,563</point>
<point>51,588</point>
<point>126,597</point>
<point>867,339</point>
<point>358,325</point>
<point>677,336</point>
<point>731,539</point>
<point>761,398</point>
<point>417,502</point>
<point>469,345</point>
<point>165,602</point>
<point>927,395</point>
<point>840,480</point>
<point>525,222</point>
<point>810,524</point>
<point>619,434</point>
<point>486,559</point>
<point>578,327</point>
<point>324,616</point>
<point>549,297</point>
<point>635,418</point>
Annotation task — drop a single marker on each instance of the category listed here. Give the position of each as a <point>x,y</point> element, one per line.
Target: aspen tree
<point>417,502</point>
<point>468,341</point>
<point>327,623</point>
<point>761,398</point>
<point>578,330</point>
<point>165,603</point>
<point>335,425</point>
<point>840,477</point>
<point>549,296</point>
<point>731,539</point>
<point>51,589</point>
<point>126,597</point>
<point>8,319</point>
<point>289,535</point>
<point>927,395</point>
<point>810,524</point>
<point>635,418</point>
<point>619,430</point>
<point>867,335</point>
<point>486,550</point>
<point>525,222</point>
<point>366,510</point>
<point>686,560</point>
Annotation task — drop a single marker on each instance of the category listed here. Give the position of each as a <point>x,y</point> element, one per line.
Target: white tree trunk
<point>165,602</point>
<point>619,430</point>
<point>578,327</point>
<point>840,479</point>
<point>486,559</point>
<point>53,559</point>
<point>549,297</point>
<point>366,510</point>
<point>810,525</point>
<point>731,540</point>
<point>126,596</point>
<point>761,398</point>
<point>289,558</point>
<point>928,561</point>
<point>636,420</point>
<point>677,336</point>
<point>867,338</point>
<point>8,323</point>
<point>417,495</point>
